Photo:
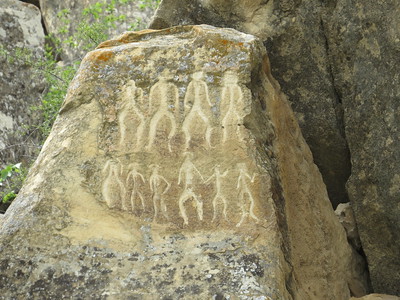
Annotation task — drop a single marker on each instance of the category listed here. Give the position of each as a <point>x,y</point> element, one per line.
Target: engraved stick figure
<point>133,185</point>
<point>156,186</point>
<point>186,175</point>
<point>219,195</point>
<point>163,95</point>
<point>133,98</point>
<point>113,189</point>
<point>242,186</point>
<point>198,102</point>
<point>232,103</point>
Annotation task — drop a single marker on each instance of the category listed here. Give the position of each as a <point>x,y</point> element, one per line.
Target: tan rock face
<point>176,169</point>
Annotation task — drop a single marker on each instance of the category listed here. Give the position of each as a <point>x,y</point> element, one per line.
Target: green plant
<point>11,178</point>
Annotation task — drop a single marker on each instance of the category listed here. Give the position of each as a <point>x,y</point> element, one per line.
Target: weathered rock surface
<point>296,44</point>
<point>337,62</point>
<point>345,214</point>
<point>70,21</point>
<point>364,44</point>
<point>176,169</point>
<point>20,89</point>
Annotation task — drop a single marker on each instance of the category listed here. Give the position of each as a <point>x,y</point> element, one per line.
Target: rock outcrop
<point>337,62</point>
<point>176,169</point>
<point>20,88</point>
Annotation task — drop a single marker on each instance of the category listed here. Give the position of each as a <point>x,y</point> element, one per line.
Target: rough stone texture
<point>19,87</point>
<point>296,44</point>
<point>53,23</point>
<point>377,297</point>
<point>345,214</point>
<point>176,169</point>
<point>337,61</point>
<point>364,44</point>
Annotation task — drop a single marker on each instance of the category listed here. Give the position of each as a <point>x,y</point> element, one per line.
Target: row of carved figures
<point>124,193</point>
<point>163,104</point>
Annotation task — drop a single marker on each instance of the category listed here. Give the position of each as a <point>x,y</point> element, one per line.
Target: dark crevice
<point>339,110</point>
<point>338,106</point>
<point>34,2</point>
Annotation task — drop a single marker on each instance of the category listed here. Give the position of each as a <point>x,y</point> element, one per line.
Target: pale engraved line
<point>113,189</point>
<point>133,96</point>
<point>186,175</point>
<point>155,186</point>
<point>159,93</point>
<point>242,186</point>
<point>197,95</point>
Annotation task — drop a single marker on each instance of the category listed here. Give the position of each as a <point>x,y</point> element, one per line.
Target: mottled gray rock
<point>70,21</point>
<point>364,46</point>
<point>20,87</point>
<point>296,44</point>
<point>176,169</point>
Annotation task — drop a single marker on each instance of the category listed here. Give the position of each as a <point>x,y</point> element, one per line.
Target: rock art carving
<point>158,186</point>
<point>163,99</point>
<point>219,196</point>
<point>113,189</point>
<point>246,203</point>
<point>197,104</point>
<point>233,105</point>
<point>131,118</point>
<point>132,188</point>
<point>186,175</point>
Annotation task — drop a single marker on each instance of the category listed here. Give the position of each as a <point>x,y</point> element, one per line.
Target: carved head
<point>230,78</point>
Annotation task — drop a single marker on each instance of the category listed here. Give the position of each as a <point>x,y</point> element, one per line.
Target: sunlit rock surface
<point>176,169</point>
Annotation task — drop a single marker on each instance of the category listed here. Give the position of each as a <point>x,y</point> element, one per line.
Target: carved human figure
<point>186,175</point>
<point>246,200</point>
<point>132,188</point>
<point>113,189</point>
<point>219,196</point>
<point>197,104</point>
<point>158,186</point>
<point>163,101</point>
<point>232,106</point>
<point>131,119</point>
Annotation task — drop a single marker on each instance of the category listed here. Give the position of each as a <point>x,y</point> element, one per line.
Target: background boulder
<point>20,86</point>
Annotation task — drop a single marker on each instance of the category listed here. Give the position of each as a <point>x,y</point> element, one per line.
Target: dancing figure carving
<point>219,194</point>
<point>132,188</point>
<point>186,175</point>
<point>131,118</point>
<point>233,105</point>
<point>197,104</point>
<point>163,101</point>
<point>247,206</point>
<point>113,189</point>
<point>158,186</point>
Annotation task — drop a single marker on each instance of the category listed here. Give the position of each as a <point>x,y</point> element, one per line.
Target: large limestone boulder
<point>176,169</point>
<point>62,19</point>
<point>20,88</point>
<point>337,62</point>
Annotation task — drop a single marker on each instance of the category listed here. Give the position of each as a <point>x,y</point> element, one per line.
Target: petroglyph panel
<point>177,150</point>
